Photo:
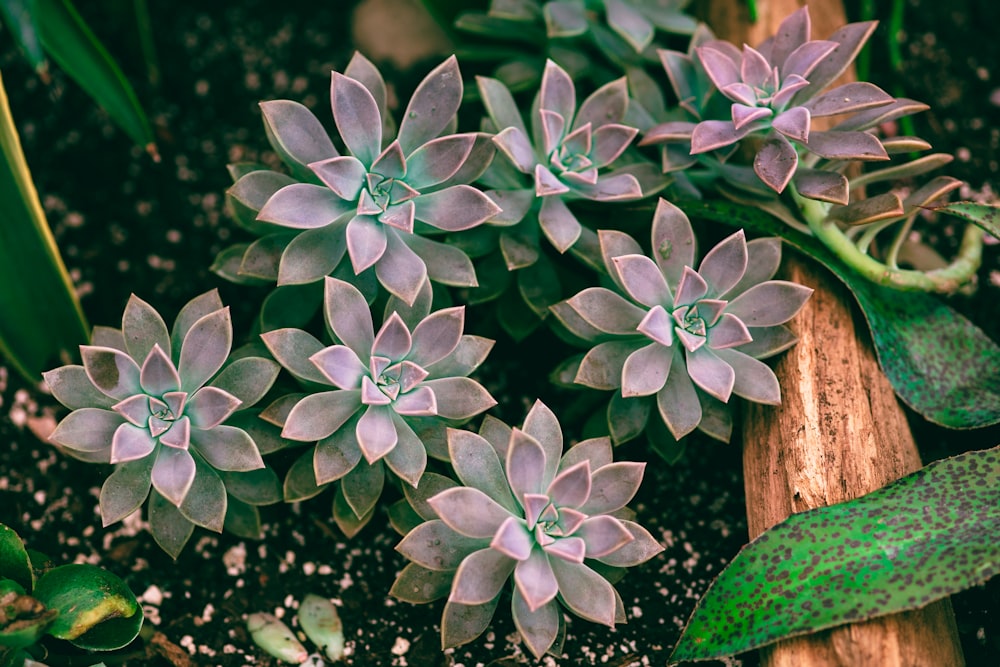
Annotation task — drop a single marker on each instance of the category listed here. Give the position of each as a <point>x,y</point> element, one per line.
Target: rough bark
<point>839,433</point>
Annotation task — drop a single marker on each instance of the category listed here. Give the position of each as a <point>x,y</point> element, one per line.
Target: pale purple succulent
<point>384,397</point>
<point>154,402</point>
<point>555,525</point>
<point>689,338</point>
<point>376,203</point>
<point>773,93</point>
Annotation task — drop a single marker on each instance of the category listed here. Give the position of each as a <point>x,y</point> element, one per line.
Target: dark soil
<point>127,224</point>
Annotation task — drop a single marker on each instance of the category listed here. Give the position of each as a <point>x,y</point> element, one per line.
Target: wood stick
<point>839,432</point>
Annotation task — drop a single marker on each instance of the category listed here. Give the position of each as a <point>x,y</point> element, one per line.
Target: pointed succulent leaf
<point>584,592</point>
<point>557,91</point>
<point>460,397</point>
<point>606,105</point>
<point>754,380</point>
<point>541,424</point>
<point>354,110</point>
<point>710,135</point>
<point>770,303</point>
<point>131,443</point>
<point>401,270</point>
<point>173,473</point>
<point>630,24</point>
<point>607,311</point>
<point>210,406</point>
<point>719,66</point>
<point>674,243</point>
<point>408,459</point>
<point>348,316</point>
<point>539,629</point>
<point>111,371</point>
<point>205,348</point>
<point>143,328</point>
<point>728,332</point>
<point>345,175</point>
<point>469,511</point>
<point>571,487</point>
<point>362,487</point>
<point>295,133</point>
<point>645,371</point>
<point>601,367</point>
<point>376,432</point>
<point>535,580</point>
<point>71,387</point>
<point>227,448</point>
<point>317,416</point>
<point>775,163</point>
<point>613,486</point>
<point>300,481</point>
<point>724,265</point>
<point>169,527</point>
<point>461,623</point>
<point>441,262</point>
<point>340,366</point>
<point>252,190</point>
<point>639,549</point>
<point>433,105</point>
<point>435,546</point>
<point>455,208</point>
<point>525,465</point>
<point>848,98</point>
<point>124,491</point>
<point>642,279</point>
<point>838,145</point>
<point>343,515</point>
<point>807,57</point>
<point>336,455</point>
<point>603,535</point>
<point>304,206</point>
<point>850,39</point>
<point>478,465</point>
<point>205,502</point>
<point>158,375</point>
<point>558,223</point>
<point>293,349</point>
<point>513,539</point>
<point>437,336</point>
<point>710,373</point>
<point>247,379</point>
<point>362,70</point>
<point>418,585</point>
<point>438,160</point>
<point>366,242</point>
<point>87,429</point>
<point>480,577</point>
<point>627,417</point>
<point>513,142</point>
<point>825,186</point>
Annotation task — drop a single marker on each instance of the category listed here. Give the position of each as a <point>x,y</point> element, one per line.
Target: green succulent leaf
<point>96,609</point>
<point>922,538</point>
<point>950,385</point>
<point>984,216</point>
<point>30,337</point>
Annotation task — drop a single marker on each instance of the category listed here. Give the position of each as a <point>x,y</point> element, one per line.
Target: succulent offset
<point>154,402</point>
<point>554,524</point>
<point>377,203</point>
<point>769,96</point>
<point>691,339</point>
<point>387,396</point>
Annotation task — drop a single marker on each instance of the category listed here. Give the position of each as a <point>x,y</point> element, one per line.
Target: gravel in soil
<point>126,224</point>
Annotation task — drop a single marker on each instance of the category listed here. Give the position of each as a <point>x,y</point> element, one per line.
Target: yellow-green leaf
<point>41,317</point>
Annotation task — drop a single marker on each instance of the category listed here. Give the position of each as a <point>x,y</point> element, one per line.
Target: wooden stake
<point>839,432</point>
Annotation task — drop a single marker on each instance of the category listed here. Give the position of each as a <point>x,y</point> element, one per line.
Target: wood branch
<point>839,432</point>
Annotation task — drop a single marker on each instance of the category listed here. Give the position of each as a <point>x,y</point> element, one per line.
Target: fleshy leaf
<point>433,105</point>
<point>205,348</point>
<point>903,537</point>
<point>357,116</point>
<point>985,216</point>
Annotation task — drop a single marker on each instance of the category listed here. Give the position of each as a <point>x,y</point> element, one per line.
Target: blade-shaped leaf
<point>985,216</point>
<point>922,538</point>
<point>31,337</point>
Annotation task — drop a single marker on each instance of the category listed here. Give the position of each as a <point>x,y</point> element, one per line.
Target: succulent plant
<point>154,402</point>
<point>383,397</point>
<point>773,92</point>
<point>689,338</point>
<point>566,156</point>
<point>377,203</point>
<point>556,522</point>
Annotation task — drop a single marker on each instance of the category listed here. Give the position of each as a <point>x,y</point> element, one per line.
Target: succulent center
<point>693,323</point>
<point>548,527</point>
<point>380,188</point>
<point>568,159</point>
<point>389,379</point>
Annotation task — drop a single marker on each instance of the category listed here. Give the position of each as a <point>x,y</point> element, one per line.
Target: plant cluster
<point>377,243</point>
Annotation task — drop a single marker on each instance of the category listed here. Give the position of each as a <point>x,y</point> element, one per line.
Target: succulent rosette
<point>381,399</point>
<point>553,524</point>
<point>377,203</point>
<point>772,93</point>
<point>687,339</point>
<point>155,401</point>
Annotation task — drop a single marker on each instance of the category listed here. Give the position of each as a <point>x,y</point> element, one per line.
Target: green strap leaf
<point>75,48</point>
<point>17,18</point>
<point>984,216</point>
<point>940,364</point>
<point>922,538</point>
<point>31,269</point>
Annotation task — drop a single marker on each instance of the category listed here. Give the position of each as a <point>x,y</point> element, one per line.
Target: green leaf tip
<point>922,538</point>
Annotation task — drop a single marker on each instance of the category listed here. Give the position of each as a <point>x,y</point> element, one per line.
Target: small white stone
<point>401,646</point>
<point>153,595</point>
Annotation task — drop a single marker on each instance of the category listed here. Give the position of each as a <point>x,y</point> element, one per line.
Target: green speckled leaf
<point>940,364</point>
<point>984,216</point>
<point>922,538</point>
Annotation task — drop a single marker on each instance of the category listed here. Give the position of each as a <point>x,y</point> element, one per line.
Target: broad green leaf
<point>18,20</point>
<point>922,538</point>
<point>984,216</point>
<point>31,338</point>
<point>97,611</point>
<point>940,364</point>
<point>75,48</point>
<point>14,561</point>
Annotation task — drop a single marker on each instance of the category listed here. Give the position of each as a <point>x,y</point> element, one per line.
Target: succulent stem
<point>947,280</point>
